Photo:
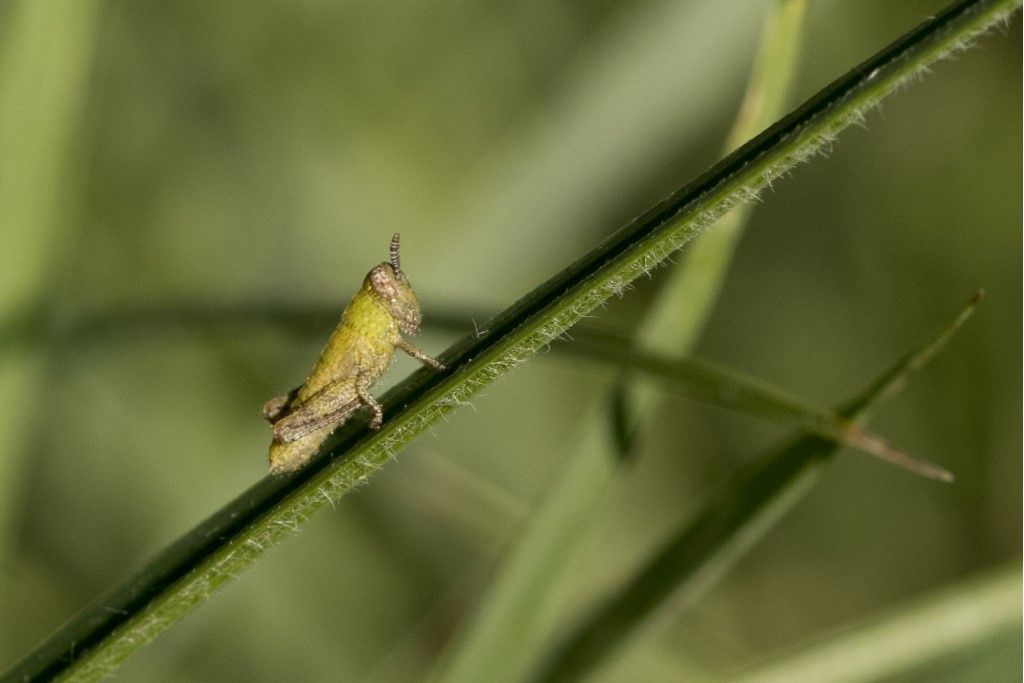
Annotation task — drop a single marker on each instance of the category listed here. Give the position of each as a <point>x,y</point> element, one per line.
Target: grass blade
<point>737,391</point>
<point>732,523</point>
<point>46,55</point>
<point>693,377</point>
<point>939,626</point>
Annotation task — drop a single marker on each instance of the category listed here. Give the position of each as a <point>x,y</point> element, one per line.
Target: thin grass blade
<point>735,519</point>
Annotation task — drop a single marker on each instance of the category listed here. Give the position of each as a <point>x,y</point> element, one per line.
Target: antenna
<point>394,254</point>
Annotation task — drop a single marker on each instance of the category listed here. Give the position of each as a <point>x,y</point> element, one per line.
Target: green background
<point>256,156</point>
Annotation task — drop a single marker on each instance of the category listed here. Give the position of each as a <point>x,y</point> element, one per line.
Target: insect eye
<point>383,282</point>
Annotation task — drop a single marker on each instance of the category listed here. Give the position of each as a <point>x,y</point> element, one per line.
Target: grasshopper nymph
<point>357,354</point>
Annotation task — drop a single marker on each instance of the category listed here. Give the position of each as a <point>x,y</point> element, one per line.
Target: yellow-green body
<point>363,343</point>
<point>357,354</point>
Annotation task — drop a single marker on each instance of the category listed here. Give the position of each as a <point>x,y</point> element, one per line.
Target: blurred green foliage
<point>263,154</point>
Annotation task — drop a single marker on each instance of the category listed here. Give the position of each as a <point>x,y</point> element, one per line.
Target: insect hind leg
<point>331,405</point>
<point>363,391</point>
<point>300,423</point>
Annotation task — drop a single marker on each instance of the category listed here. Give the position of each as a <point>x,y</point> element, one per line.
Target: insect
<point>357,354</point>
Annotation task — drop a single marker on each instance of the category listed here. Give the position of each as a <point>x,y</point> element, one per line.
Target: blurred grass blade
<point>691,377</point>
<point>734,390</point>
<point>897,377</point>
<point>502,639</point>
<point>735,519</point>
<point>941,626</point>
<point>45,55</point>
<point>95,642</point>
<point>46,51</point>
<point>683,304</point>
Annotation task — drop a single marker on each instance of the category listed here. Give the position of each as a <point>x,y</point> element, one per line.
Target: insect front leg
<point>419,354</point>
<point>331,405</point>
